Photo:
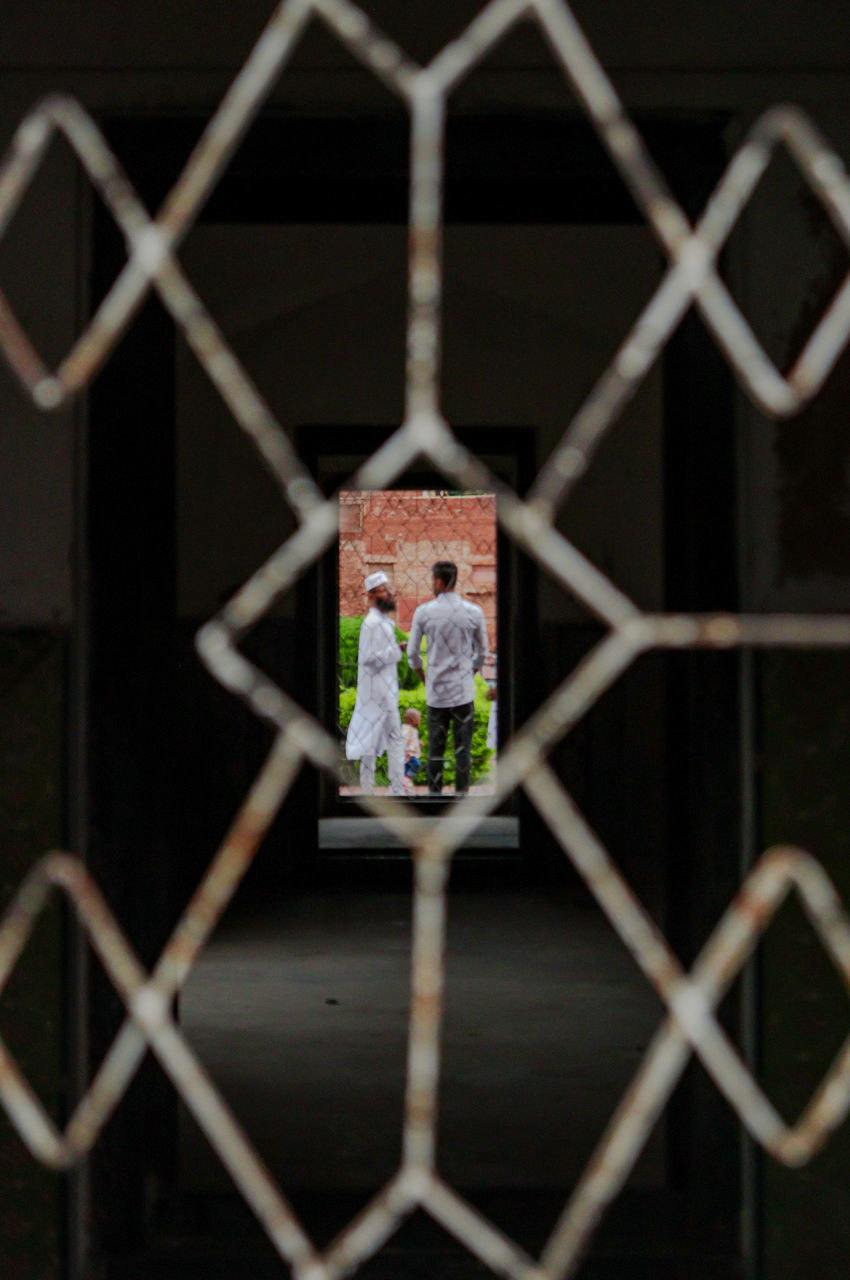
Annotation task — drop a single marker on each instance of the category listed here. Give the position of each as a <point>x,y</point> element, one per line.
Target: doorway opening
<point>402,533</point>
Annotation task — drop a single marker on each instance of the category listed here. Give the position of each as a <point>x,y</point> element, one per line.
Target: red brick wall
<point>403,532</point>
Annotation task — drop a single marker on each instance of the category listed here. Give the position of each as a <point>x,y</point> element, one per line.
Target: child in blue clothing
<point>412,747</point>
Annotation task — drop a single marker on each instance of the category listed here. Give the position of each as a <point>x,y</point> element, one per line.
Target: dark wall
<point>33,714</point>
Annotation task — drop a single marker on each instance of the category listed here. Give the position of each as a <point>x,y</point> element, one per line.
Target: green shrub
<point>349,636</point>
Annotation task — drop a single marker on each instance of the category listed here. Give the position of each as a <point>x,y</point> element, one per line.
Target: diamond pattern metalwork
<point>691,279</point>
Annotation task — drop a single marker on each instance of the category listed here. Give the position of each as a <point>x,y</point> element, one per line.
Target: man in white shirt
<point>457,646</point>
<point>375,725</point>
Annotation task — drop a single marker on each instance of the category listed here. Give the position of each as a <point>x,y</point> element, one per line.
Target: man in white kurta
<point>375,725</point>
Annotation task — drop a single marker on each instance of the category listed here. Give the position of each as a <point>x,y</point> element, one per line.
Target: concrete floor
<point>496,832</point>
<point>300,1016</point>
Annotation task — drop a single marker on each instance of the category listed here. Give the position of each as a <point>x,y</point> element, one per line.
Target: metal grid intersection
<point>690,279</point>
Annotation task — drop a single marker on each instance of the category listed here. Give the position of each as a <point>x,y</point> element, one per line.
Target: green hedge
<point>411,694</point>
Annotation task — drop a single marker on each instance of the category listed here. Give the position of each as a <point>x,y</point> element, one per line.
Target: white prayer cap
<point>375,580</point>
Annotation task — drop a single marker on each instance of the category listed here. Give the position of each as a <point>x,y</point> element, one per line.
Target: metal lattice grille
<point>690,279</point>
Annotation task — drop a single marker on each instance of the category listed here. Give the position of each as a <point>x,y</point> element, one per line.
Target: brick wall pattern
<point>403,532</point>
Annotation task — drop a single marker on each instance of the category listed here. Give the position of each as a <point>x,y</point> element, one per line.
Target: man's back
<point>457,645</point>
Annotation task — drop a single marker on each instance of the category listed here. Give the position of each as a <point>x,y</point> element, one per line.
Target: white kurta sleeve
<point>378,647</point>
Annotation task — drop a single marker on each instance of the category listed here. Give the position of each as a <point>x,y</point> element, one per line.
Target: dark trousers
<point>462,720</point>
